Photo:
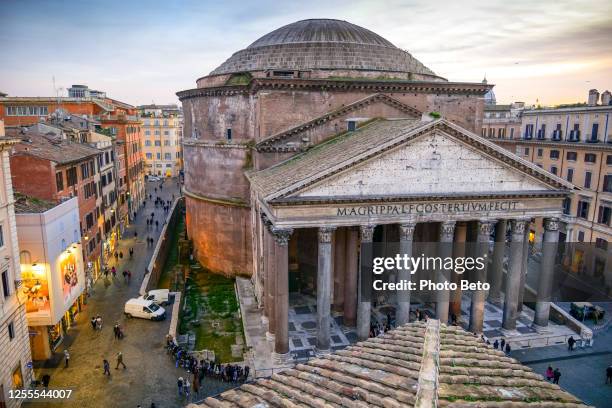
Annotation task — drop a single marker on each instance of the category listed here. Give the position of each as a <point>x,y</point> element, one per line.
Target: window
<point>167,156</point>
<point>607,183</point>
<point>580,236</point>
<point>147,133</point>
<point>601,244</point>
<point>71,176</point>
<point>59,180</point>
<point>609,160</point>
<point>590,158</point>
<point>157,143</point>
<point>553,170</point>
<point>573,156</point>
<point>567,205</point>
<point>511,133</point>
<point>528,131</point>
<point>540,152</point>
<point>574,135</point>
<point>583,209</point>
<point>11,330</point>
<point>556,135</point>
<point>587,179</point>
<point>1,236</point>
<point>147,142</point>
<point>167,142</point>
<point>157,133</point>
<point>604,215</point>
<point>594,133</point>
<point>542,132</point>
<point>570,175</point>
<point>6,289</point>
<point>89,220</point>
<point>149,156</point>
<point>554,154</point>
<point>166,133</point>
<point>27,110</point>
<point>228,134</point>
<point>526,151</point>
<point>158,155</point>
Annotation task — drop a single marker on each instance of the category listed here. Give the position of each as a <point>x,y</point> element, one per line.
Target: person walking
<point>156,225</point>
<point>114,272</point>
<point>66,358</point>
<point>496,344</point>
<point>93,323</point>
<point>503,344</point>
<point>186,387</point>
<point>508,348</point>
<point>609,375</point>
<point>106,366</point>
<point>131,253</point>
<point>120,361</point>
<point>570,343</point>
<point>556,376</point>
<point>120,254</point>
<point>549,374</point>
<point>45,380</point>
<point>179,383</point>
<point>116,257</point>
<point>129,276</point>
<point>116,330</point>
<point>99,322</point>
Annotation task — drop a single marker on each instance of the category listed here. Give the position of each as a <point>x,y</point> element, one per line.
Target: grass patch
<point>166,278</point>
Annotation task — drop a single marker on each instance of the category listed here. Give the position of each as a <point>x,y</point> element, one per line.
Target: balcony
<point>593,139</point>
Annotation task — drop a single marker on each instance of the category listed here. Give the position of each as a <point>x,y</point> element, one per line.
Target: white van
<point>159,296</point>
<point>145,309</point>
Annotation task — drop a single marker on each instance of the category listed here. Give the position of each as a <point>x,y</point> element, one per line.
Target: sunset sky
<point>143,52</point>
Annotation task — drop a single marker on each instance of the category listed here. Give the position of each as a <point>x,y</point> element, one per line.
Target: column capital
<point>447,231</point>
<point>518,226</point>
<point>325,234</point>
<point>367,233</point>
<point>551,224</point>
<point>407,231</point>
<point>264,218</point>
<point>281,235</point>
<point>485,227</point>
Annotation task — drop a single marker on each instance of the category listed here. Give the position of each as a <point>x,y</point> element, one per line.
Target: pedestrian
<point>150,196</point>
<point>570,343</point>
<point>609,375</point>
<point>134,214</point>
<point>116,256</point>
<point>129,276</point>
<point>45,380</point>
<point>120,361</point>
<point>156,189</point>
<point>131,253</point>
<point>186,387</point>
<point>556,376</point>
<point>105,272</point>
<point>179,383</point>
<point>508,349</point>
<point>549,374</point>
<point>106,366</point>
<point>116,330</point>
<point>503,344</point>
<point>120,254</point>
<point>66,358</point>
<point>93,323</point>
<point>124,273</point>
<point>136,235</point>
<point>99,322</point>
<point>152,405</point>
<point>156,225</point>
<point>496,344</point>
<point>114,272</point>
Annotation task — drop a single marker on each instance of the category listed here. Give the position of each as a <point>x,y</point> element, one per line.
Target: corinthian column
<point>403,297</point>
<point>513,276</point>
<point>281,341</point>
<point>352,276</point>
<point>364,306</point>
<point>549,252</point>
<point>447,233</point>
<point>497,264</point>
<point>478,296</point>
<point>324,289</point>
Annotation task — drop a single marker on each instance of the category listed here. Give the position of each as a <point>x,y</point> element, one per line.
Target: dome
<point>323,44</point>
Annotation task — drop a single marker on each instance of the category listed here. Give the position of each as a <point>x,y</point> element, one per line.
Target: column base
<point>281,359</point>
<point>270,337</point>
<point>510,332</point>
<point>497,301</point>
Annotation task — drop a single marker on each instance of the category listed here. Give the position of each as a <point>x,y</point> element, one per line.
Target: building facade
<point>574,143</point>
<point>50,167</point>
<point>322,138</point>
<point>53,271</point>
<point>15,371</point>
<point>162,142</point>
<point>502,121</point>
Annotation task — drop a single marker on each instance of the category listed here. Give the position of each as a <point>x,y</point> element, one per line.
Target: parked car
<point>158,296</point>
<point>586,310</point>
<point>153,178</point>
<point>144,309</point>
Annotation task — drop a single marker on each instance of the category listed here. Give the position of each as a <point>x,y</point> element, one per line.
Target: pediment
<point>435,163</point>
<point>321,128</point>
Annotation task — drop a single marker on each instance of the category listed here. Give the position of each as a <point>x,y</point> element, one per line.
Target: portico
<point>392,181</point>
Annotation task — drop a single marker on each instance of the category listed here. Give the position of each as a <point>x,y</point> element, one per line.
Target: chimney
<point>593,97</point>
<point>606,98</point>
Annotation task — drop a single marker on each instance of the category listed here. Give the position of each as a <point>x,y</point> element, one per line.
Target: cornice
<point>374,86</point>
<point>557,143</point>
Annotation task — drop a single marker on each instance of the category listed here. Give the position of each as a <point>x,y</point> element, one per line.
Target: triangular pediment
<point>322,127</point>
<point>390,158</point>
<point>434,163</point>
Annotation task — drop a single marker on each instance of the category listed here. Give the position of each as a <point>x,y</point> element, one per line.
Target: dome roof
<point>321,30</point>
<point>323,44</point>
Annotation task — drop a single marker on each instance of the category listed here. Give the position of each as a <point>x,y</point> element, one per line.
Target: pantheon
<point>322,136</point>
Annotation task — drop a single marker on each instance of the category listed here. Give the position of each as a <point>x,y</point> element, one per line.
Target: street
<point>150,375</point>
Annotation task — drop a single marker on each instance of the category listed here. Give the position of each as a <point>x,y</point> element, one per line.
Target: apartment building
<point>162,147</point>
<point>575,143</point>
<point>15,367</point>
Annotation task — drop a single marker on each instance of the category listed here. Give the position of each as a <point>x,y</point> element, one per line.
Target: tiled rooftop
<point>25,204</point>
<point>419,364</point>
<point>50,147</point>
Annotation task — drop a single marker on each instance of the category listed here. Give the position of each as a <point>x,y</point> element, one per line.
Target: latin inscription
<point>427,208</point>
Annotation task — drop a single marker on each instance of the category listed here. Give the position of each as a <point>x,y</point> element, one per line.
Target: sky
<point>140,52</point>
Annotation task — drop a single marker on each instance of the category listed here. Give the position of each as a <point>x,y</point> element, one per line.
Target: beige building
<point>502,121</point>
<point>14,344</point>
<point>162,139</point>
<point>574,143</point>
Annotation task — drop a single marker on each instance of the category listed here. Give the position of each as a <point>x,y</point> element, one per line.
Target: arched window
<point>25,258</point>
